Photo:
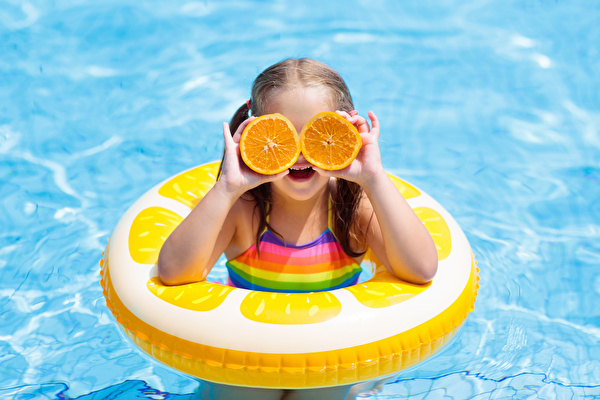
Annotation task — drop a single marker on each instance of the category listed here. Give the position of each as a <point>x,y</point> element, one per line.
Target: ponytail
<point>240,116</point>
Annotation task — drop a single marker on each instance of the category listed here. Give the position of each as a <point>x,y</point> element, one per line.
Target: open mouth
<point>301,173</point>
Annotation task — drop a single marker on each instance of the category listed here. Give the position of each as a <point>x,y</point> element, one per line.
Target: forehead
<point>299,101</point>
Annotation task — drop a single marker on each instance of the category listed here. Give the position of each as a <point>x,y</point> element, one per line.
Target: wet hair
<point>287,75</point>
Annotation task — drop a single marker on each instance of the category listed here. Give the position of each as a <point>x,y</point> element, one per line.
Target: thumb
<point>229,143</point>
<point>276,177</point>
<point>324,172</point>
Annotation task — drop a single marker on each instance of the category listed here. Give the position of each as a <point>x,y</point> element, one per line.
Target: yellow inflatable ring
<point>235,336</point>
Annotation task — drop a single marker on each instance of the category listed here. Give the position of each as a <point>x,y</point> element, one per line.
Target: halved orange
<point>270,144</point>
<point>329,141</point>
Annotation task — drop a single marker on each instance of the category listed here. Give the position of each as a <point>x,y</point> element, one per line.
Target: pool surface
<point>492,107</point>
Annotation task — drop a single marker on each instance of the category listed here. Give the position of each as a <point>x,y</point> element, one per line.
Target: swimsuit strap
<point>330,217</point>
<point>329,214</point>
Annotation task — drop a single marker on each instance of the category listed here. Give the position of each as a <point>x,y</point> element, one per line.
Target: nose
<point>302,162</point>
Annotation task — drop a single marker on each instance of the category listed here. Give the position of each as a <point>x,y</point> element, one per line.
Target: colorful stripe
<point>315,266</point>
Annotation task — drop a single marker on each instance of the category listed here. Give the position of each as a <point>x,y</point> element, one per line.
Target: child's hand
<point>367,164</point>
<point>235,174</point>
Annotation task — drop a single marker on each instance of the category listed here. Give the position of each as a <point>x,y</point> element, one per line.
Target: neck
<point>299,221</point>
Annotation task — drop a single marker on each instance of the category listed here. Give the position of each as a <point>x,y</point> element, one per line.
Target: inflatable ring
<point>233,336</point>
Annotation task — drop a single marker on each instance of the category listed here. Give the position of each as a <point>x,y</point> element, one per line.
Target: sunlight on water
<point>492,107</point>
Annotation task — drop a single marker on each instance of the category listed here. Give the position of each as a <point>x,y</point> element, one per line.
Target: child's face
<point>299,105</point>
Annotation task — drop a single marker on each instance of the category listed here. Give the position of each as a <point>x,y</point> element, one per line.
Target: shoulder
<point>244,213</point>
<point>244,219</point>
<point>243,206</point>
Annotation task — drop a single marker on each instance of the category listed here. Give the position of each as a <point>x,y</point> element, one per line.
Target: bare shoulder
<point>245,221</point>
<point>242,206</point>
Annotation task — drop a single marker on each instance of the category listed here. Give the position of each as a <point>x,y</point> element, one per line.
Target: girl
<point>305,229</point>
<point>325,217</point>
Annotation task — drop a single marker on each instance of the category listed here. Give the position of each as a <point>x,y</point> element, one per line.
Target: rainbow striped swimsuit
<point>315,266</point>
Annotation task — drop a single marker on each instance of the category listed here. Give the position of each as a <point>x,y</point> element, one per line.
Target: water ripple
<point>490,106</point>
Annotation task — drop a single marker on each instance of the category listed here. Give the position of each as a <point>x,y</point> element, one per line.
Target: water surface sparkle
<point>490,106</point>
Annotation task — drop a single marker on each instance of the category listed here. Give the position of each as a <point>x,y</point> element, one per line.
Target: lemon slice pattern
<point>407,190</point>
<point>153,225</point>
<point>383,290</point>
<point>189,187</point>
<point>290,308</point>
<point>200,296</point>
<point>438,229</point>
<point>148,232</point>
<point>360,357</point>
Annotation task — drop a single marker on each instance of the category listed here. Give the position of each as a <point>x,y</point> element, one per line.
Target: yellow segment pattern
<point>438,229</point>
<point>407,190</point>
<point>189,187</point>
<point>148,232</point>
<point>384,290</point>
<point>200,296</point>
<point>295,370</point>
<point>290,308</point>
<point>290,370</point>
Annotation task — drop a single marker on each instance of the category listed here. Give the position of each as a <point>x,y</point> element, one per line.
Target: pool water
<point>492,107</point>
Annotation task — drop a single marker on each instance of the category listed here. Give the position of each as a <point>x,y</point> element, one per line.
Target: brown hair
<point>286,75</point>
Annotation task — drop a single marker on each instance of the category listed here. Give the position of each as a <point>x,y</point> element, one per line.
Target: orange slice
<point>329,141</point>
<point>269,144</point>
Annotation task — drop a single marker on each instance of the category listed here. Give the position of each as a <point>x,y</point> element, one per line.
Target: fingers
<point>324,172</point>
<point>276,177</point>
<point>257,179</point>
<point>351,116</point>
<point>362,125</point>
<point>227,136</point>
<point>360,122</point>
<point>374,120</point>
<point>374,125</point>
<point>238,133</point>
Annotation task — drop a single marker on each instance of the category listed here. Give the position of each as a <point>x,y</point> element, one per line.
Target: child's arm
<point>196,244</point>
<point>395,234</point>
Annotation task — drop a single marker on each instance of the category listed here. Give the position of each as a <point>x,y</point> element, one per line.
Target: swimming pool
<point>492,107</point>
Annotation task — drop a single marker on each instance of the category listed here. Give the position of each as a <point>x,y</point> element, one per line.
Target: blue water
<point>492,107</point>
